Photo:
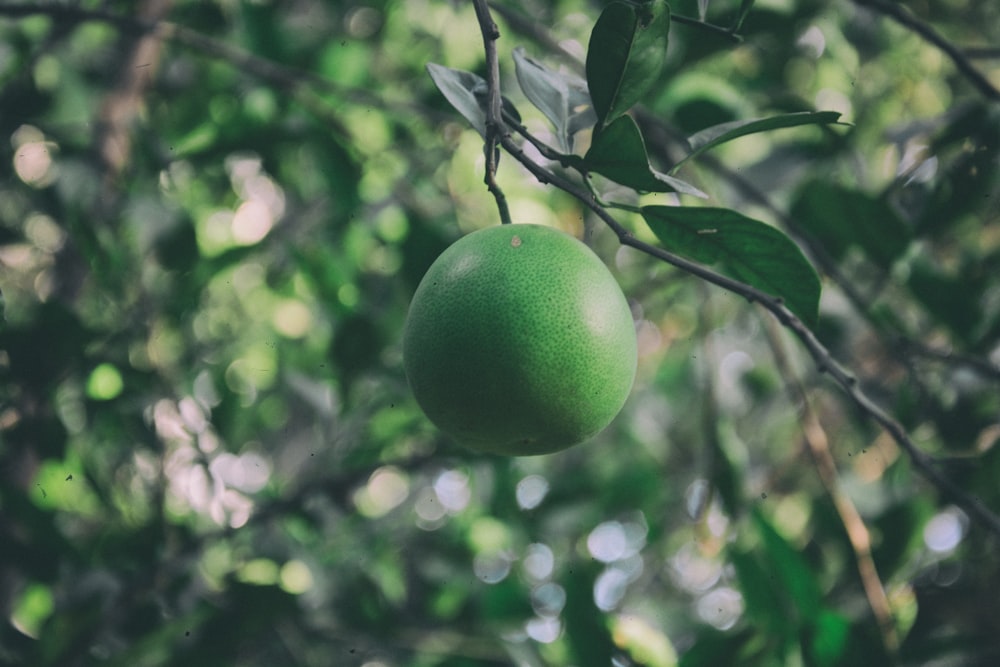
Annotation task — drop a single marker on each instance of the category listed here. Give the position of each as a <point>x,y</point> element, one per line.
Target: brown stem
<point>817,445</point>
<point>494,119</point>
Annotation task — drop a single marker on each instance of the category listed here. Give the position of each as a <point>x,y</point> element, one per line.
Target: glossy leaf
<point>463,90</point>
<point>467,93</point>
<point>563,98</point>
<point>713,136</point>
<point>626,53</point>
<point>619,153</point>
<point>839,217</point>
<point>746,249</point>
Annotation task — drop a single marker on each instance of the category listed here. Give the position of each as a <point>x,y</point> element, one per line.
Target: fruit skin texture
<point>519,341</point>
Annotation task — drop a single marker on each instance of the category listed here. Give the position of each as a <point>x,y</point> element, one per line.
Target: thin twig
<point>710,28</point>
<point>817,445</point>
<point>903,17</point>
<point>494,119</point>
<point>822,357</point>
<point>981,367</point>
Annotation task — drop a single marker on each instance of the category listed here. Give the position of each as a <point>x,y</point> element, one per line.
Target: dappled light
<point>386,489</point>
<point>33,157</point>
<point>945,530</point>
<point>544,629</point>
<point>721,607</point>
<point>531,491</point>
<point>538,561</point>
<point>452,490</point>
<point>491,568</point>
<point>218,445</point>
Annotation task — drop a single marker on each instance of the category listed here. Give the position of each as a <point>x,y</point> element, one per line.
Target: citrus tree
<point>245,245</point>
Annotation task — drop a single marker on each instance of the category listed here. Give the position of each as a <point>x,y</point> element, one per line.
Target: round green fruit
<point>519,341</point>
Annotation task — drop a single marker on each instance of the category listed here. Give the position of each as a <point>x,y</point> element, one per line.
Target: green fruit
<point>519,341</point>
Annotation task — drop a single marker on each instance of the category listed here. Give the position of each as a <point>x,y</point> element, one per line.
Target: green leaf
<point>828,639</point>
<point>627,49</point>
<point>760,596</point>
<point>791,569</point>
<point>711,137</point>
<point>563,98</point>
<point>780,590</point>
<point>839,217</point>
<point>726,476</point>
<point>587,631</point>
<point>467,93</point>
<point>463,90</point>
<point>619,153</point>
<point>747,249</point>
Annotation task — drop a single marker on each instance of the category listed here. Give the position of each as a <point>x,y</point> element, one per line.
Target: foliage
<point>213,216</point>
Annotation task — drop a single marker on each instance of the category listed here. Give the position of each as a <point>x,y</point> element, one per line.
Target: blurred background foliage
<point>209,233</point>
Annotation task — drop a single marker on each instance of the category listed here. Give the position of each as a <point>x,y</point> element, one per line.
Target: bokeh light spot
<point>531,491</point>
<point>945,530</point>
<point>539,561</point>
<point>452,490</point>
<point>260,571</point>
<point>543,630</point>
<point>105,383</point>
<point>296,577</point>
<point>607,542</point>
<point>387,488</point>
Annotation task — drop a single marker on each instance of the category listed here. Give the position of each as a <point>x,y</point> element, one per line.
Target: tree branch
<point>899,14</point>
<point>652,124</point>
<point>710,28</point>
<point>494,119</point>
<point>822,357</point>
<point>817,445</point>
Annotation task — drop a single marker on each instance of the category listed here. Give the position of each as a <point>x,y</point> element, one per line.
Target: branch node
<point>494,108</point>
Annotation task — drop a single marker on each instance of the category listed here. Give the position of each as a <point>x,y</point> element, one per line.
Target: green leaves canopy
<point>257,487</point>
